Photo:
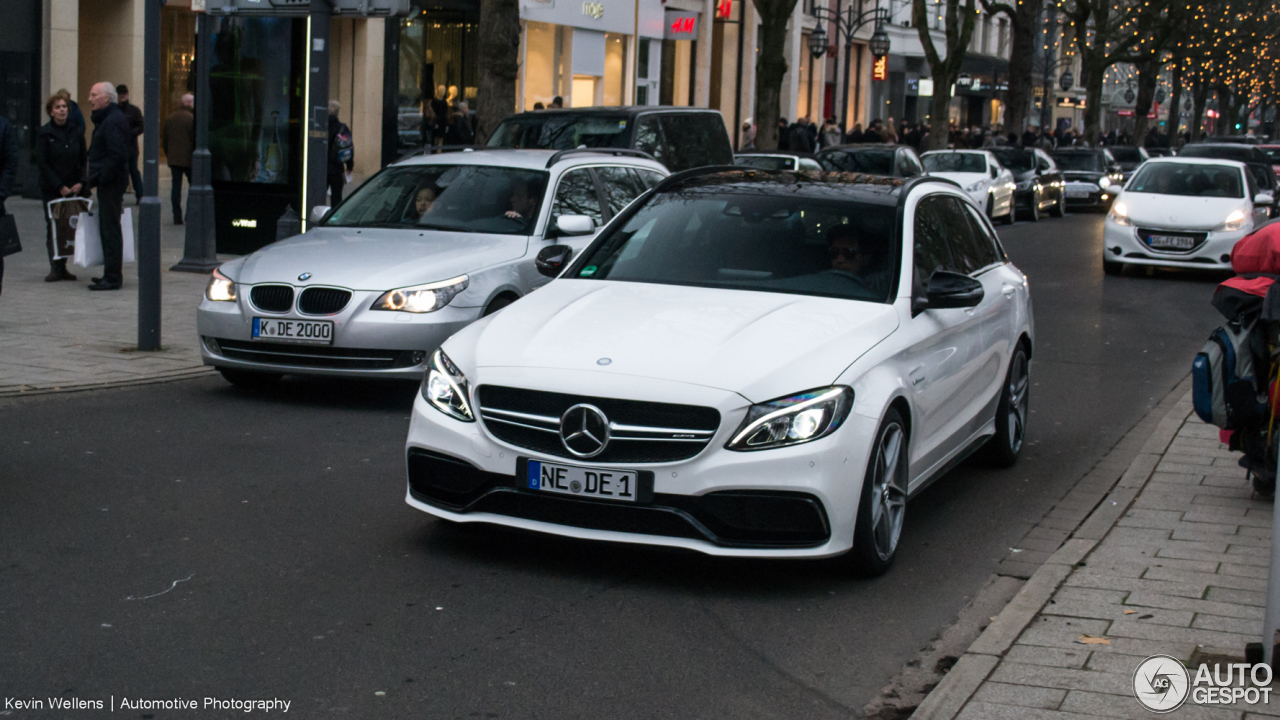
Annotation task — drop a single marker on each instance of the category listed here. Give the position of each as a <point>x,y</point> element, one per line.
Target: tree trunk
<point>1094,73</point>
<point>1224,110</point>
<point>499,67</point>
<point>1021,56</point>
<point>1175,103</point>
<point>940,116</point>
<point>1197,111</point>
<point>1148,75</point>
<point>771,66</point>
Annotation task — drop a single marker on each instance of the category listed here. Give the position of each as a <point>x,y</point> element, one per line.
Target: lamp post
<point>847,24</point>
<point>200,249</point>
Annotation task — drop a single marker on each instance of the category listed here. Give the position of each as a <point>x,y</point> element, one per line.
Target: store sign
<point>926,87</point>
<point>591,9</point>
<point>880,71</point>
<point>681,25</point>
<point>724,9</point>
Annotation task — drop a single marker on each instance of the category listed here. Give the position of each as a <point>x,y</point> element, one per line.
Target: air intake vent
<point>323,301</point>
<point>272,298</point>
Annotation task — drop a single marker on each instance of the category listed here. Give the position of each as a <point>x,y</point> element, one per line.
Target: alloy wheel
<point>888,492</point>
<point>1018,401</point>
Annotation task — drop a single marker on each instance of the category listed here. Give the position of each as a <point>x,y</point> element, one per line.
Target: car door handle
<point>1008,290</point>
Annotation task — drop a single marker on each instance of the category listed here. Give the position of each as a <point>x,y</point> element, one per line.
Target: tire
<point>1013,210</point>
<point>249,379</point>
<point>991,209</point>
<point>1110,267</point>
<point>1003,449</point>
<point>883,502</point>
<point>498,303</point>
<point>1034,215</point>
<point>1060,208</point>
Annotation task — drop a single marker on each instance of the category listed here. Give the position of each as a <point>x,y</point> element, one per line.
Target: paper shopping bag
<point>88,250</point>
<point>126,232</point>
<point>64,214</point>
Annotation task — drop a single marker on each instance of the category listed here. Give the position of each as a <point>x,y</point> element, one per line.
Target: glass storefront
<point>177,59</point>
<point>438,61</point>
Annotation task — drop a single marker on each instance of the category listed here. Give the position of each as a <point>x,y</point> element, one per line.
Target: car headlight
<point>792,420</point>
<point>445,387</point>
<point>220,288</point>
<point>975,187</point>
<point>1104,182</point>
<point>1236,220</point>
<point>422,298</point>
<point>1119,214</point>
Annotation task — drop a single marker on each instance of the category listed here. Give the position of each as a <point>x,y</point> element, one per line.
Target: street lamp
<point>1067,80</point>
<point>847,24</point>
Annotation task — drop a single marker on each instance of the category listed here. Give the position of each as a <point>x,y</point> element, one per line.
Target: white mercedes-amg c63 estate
<point>743,362</point>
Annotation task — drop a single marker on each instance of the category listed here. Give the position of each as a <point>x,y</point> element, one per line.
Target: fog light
<point>418,357</point>
<point>1116,250</point>
<point>1226,258</point>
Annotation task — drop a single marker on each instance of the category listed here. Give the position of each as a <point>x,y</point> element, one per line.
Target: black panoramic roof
<point>610,111</point>
<point>856,187</point>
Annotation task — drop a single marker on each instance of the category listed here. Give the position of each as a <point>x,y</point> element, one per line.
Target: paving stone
<point>1099,705</point>
<point>1140,630</point>
<point>1217,580</point>
<point>1237,597</point>
<point>1052,657</point>
<point>1043,533</point>
<point>1116,611</point>
<point>1229,624</point>
<point>1188,458</point>
<point>995,711</point>
<point>1032,697</point>
<point>1239,570</point>
<point>1154,537</point>
<point>1089,577</point>
<point>1228,608</point>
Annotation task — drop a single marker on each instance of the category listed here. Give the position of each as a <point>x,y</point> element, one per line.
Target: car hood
<point>1178,211</point>
<point>963,179</point>
<point>761,345</point>
<point>1083,175</point>
<point>375,258</point>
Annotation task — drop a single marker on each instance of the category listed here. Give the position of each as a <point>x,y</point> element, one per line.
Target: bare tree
<point>1022,16</point>
<point>959,21</point>
<point>1104,35</point>
<point>771,66</point>
<point>499,63</point>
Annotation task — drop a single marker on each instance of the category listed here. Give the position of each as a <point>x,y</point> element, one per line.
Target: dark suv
<point>890,160</point>
<point>1254,157</point>
<point>680,138</point>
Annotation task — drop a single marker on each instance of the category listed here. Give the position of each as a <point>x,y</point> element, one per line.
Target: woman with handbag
<point>61,157</point>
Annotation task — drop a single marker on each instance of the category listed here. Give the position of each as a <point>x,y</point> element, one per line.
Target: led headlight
<point>422,298</point>
<point>1104,182</point>
<point>1236,220</point>
<point>220,288</point>
<point>445,387</point>
<point>793,420</point>
<point>1119,214</point>
<point>975,187</point>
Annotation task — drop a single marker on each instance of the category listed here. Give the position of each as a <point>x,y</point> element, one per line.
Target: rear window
<point>955,162</point>
<point>1080,162</point>
<point>1242,154</point>
<point>561,132</point>
<point>765,162</point>
<point>1273,154</point>
<point>1126,154</point>
<point>1190,180</point>
<point>685,140</point>
<point>1016,160</point>
<point>871,162</point>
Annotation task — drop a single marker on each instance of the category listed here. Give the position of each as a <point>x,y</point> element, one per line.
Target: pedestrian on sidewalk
<point>136,125</point>
<point>61,158</point>
<point>178,141</point>
<point>748,136</point>
<point>74,116</point>
<point>460,131</point>
<point>341,153</point>
<point>8,169</point>
<point>109,159</point>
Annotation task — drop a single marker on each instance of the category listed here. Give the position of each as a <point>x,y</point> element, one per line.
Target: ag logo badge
<point>1161,684</point>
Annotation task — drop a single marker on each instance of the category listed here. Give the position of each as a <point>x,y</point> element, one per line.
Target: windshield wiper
<point>450,228</point>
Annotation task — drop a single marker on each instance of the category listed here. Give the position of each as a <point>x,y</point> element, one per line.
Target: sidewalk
<point>59,336</point>
<point>1181,570</point>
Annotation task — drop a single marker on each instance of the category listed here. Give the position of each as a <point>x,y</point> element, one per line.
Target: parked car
<point>1183,212</point>
<point>1257,160</point>
<point>1092,175</point>
<point>1161,152</point>
<point>1273,154</point>
<point>1038,181</point>
<point>981,175</point>
<point>1128,158</point>
<point>779,160</point>
<point>421,250</point>
<point>743,363</point>
<point>898,161</point>
<point>679,138</point>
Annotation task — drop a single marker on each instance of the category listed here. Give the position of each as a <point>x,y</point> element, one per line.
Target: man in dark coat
<point>136,125</point>
<point>8,168</point>
<point>784,134</point>
<point>798,140</point>
<point>109,160</point>
<point>179,141</point>
<point>460,130</point>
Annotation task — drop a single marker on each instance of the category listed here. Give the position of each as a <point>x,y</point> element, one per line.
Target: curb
<point>946,700</point>
<point>13,391</point>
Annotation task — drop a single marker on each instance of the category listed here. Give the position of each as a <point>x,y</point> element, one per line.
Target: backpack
<point>343,148</point>
<point>1224,386</point>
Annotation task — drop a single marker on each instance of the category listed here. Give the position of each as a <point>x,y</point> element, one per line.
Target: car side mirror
<point>552,259</point>
<point>1263,199</point>
<point>953,290</point>
<point>575,225</point>
<point>994,173</point>
<point>318,212</point>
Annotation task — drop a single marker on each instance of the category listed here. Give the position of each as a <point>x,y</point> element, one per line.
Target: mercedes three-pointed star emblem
<point>584,430</point>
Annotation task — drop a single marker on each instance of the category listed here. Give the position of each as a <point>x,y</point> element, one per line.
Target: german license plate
<point>583,482</point>
<point>1171,242</point>
<point>1078,194</point>
<point>315,332</point>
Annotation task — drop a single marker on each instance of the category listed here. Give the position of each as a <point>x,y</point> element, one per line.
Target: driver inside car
<point>853,255</point>
<point>523,203</point>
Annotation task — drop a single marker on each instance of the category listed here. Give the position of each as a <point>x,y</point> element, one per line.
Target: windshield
<point>752,241</point>
<point>872,162</point>
<point>466,198</point>
<point>1187,179</point>
<point>955,162</point>
<point>1126,154</point>
<point>1219,152</point>
<point>1080,162</point>
<point>561,132</point>
<point>765,162</point>
<point>1016,160</point>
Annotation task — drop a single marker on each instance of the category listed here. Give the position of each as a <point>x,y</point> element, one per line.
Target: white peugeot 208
<point>744,362</point>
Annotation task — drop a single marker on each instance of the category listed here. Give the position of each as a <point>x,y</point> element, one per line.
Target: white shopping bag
<point>88,250</point>
<point>126,232</point>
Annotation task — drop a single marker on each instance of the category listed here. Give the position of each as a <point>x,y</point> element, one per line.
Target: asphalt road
<point>191,539</point>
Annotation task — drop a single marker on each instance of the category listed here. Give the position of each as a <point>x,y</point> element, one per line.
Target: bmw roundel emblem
<point>304,276</point>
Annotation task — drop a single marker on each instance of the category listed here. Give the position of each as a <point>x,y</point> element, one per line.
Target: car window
<point>766,162</point>
<point>955,162</point>
<point>970,251</point>
<point>649,177</point>
<point>621,186</point>
<point>931,249</point>
<point>986,248</point>
<point>649,138</point>
<point>695,140</point>
<point>907,166</point>
<point>1080,162</point>
<point>807,165</point>
<point>561,132</point>
<point>1187,179</point>
<point>872,162</point>
<point>577,196</point>
<point>1015,159</point>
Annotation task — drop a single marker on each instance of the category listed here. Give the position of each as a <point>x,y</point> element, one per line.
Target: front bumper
<point>1124,244</point>
<point>366,343</point>
<point>795,502</point>
<point>1089,194</point>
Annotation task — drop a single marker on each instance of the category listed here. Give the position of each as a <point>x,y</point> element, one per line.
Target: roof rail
<point>435,149</point>
<point>616,152</point>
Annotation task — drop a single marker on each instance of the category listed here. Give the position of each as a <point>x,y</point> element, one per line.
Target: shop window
<point>584,90</point>
<point>438,65</point>
<point>614,68</point>
<point>541,62</point>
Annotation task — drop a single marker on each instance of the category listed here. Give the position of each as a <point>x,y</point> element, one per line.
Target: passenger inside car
<point>421,205</point>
